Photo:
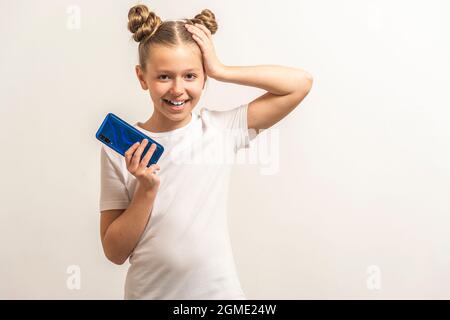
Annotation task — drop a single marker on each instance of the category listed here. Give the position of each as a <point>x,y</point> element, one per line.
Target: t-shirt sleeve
<point>113,191</point>
<point>234,121</point>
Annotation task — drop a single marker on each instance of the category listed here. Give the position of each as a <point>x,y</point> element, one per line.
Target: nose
<point>177,87</point>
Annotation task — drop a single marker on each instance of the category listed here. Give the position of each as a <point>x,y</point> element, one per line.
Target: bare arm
<point>286,88</point>
<point>121,229</point>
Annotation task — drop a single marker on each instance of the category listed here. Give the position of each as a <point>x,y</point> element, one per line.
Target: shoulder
<point>224,118</point>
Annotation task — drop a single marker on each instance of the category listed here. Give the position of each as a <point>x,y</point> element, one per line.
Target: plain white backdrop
<point>358,206</point>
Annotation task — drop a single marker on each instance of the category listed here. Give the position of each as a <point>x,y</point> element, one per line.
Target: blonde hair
<point>148,29</point>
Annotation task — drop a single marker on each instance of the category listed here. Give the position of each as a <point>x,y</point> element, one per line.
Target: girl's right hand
<point>147,177</point>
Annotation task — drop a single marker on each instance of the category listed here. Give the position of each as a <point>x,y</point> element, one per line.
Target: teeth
<point>176,103</point>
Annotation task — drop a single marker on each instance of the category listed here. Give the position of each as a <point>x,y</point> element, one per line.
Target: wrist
<point>145,193</point>
<point>220,73</point>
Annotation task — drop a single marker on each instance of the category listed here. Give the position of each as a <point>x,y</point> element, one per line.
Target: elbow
<point>112,255</point>
<point>116,260</point>
<point>307,81</point>
<point>304,86</point>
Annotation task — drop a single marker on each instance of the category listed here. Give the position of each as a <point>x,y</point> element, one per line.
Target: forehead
<point>175,59</point>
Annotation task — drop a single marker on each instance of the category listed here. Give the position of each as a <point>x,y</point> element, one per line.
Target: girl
<point>170,219</point>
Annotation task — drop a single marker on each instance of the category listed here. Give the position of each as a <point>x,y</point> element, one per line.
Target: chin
<point>177,116</point>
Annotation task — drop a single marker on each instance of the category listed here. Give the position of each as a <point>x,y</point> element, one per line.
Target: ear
<point>141,77</point>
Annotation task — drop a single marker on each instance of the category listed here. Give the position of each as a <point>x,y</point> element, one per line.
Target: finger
<point>196,31</point>
<point>154,168</point>
<point>128,154</point>
<point>147,156</point>
<point>199,40</point>
<point>205,30</point>
<point>137,155</point>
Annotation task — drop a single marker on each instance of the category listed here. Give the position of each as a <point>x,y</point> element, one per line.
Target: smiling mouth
<point>175,104</point>
<point>174,107</point>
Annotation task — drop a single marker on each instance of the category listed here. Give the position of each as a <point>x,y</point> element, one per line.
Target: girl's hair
<point>148,29</point>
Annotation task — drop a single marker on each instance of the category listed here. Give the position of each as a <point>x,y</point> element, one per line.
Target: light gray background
<point>364,161</point>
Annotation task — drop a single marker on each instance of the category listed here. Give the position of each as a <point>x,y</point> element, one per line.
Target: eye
<point>192,76</point>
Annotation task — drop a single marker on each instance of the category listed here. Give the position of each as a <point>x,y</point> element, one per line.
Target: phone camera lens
<point>105,138</point>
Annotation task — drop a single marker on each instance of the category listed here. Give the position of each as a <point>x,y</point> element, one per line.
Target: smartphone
<point>120,136</point>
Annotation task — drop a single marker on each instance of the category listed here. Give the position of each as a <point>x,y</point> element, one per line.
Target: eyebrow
<point>168,71</point>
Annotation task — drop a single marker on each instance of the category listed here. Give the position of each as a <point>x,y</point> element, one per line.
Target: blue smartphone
<point>120,136</point>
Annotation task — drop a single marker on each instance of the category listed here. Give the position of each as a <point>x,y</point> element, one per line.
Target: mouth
<point>176,106</point>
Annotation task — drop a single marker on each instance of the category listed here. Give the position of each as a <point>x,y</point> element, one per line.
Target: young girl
<point>170,219</point>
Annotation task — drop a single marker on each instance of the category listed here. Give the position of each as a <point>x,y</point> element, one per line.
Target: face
<point>173,74</point>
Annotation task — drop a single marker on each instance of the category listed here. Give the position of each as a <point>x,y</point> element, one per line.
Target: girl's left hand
<point>203,37</point>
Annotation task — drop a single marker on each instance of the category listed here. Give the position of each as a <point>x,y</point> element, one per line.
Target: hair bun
<point>142,22</point>
<point>208,19</point>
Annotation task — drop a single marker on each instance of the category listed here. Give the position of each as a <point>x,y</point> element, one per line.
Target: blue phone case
<point>120,136</point>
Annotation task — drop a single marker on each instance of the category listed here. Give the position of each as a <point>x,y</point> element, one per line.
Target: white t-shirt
<point>185,250</point>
